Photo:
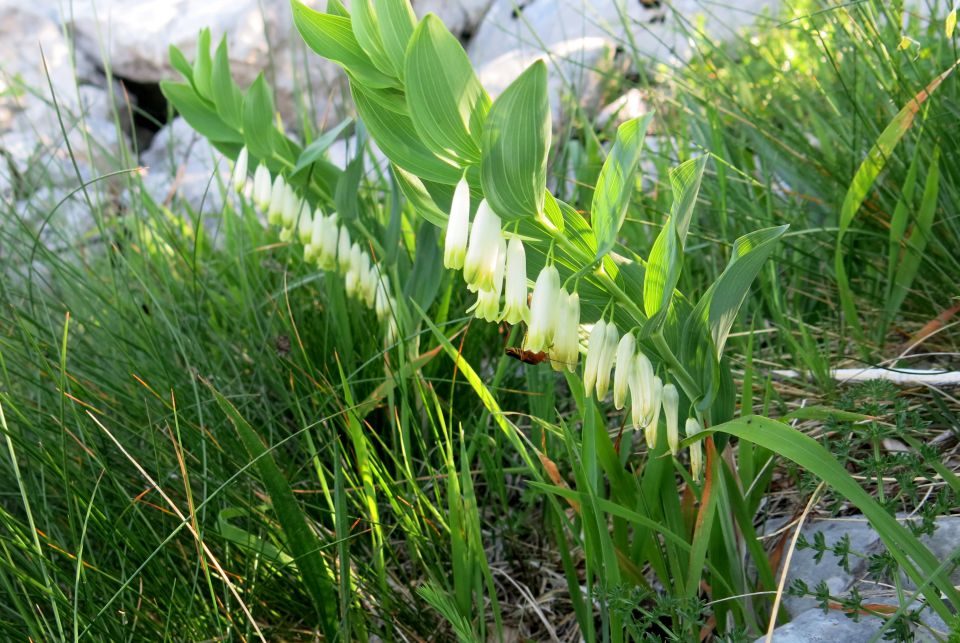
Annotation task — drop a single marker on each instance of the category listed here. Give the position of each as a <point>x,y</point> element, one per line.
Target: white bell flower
<point>261,187</point>
<point>327,250</point>
<point>696,449</point>
<point>304,223</point>
<point>542,325</point>
<point>343,249</point>
<point>656,394</point>
<point>487,306</point>
<point>240,170</point>
<point>352,278</point>
<point>565,352</point>
<point>278,197</point>
<point>626,350</point>
<point>515,307</point>
<point>480,263</point>
<point>291,208</point>
<point>317,226</point>
<point>671,409</point>
<point>605,360</point>
<point>458,227</point>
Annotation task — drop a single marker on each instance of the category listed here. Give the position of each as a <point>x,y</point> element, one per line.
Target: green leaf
<point>515,143</point>
<point>862,182</point>
<point>258,119</point>
<point>665,262</point>
<point>314,152</point>
<point>915,559</point>
<point>366,27</point>
<point>301,539</point>
<point>332,37</point>
<point>226,94</point>
<point>199,113</point>
<point>397,138</point>
<point>202,66</point>
<point>425,277</point>
<point>397,22</point>
<point>419,197</point>
<point>616,182</point>
<point>916,241</point>
<point>179,62</point>
<point>446,101</point>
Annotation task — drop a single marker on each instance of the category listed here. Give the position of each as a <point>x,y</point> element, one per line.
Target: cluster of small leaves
<point>648,616</point>
<point>840,549</point>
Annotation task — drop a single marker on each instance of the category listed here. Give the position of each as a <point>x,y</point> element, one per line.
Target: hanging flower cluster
<point>325,242</point>
<point>492,267</point>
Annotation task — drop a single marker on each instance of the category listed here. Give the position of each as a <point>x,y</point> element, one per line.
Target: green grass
<point>203,439</point>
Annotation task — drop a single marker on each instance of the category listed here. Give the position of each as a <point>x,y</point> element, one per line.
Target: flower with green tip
<point>458,227</point>
<point>543,320</point>
<point>605,362</point>
<point>626,350</point>
<point>480,263</point>
<point>656,394</point>
<point>565,351</point>
<point>261,187</point>
<point>240,170</point>
<point>671,410</point>
<point>696,449</point>
<point>278,197</point>
<point>515,307</point>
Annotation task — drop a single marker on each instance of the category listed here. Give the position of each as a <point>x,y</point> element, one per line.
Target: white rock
<point>629,105</point>
<point>575,37</point>
<point>460,16</point>
<point>183,165</point>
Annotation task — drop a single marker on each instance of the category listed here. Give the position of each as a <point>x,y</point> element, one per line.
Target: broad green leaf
<point>863,181</point>
<point>515,143</point>
<point>203,66</point>
<point>397,22</point>
<point>179,62</point>
<point>915,559</point>
<point>366,27</point>
<point>723,300</point>
<point>916,242</point>
<point>665,262</point>
<point>199,113</point>
<point>226,94</point>
<point>419,197</point>
<point>445,99</point>
<point>423,282</point>
<point>616,182</point>
<point>258,119</point>
<point>397,137</point>
<point>314,152</point>
<point>301,540</point>
<point>332,37</point>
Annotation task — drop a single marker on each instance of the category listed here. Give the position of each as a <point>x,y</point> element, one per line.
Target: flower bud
<point>278,195</point>
<point>515,307</point>
<point>261,187</point>
<point>240,170</point>
<point>383,304</point>
<point>656,394</point>
<point>595,346</point>
<point>625,363</point>
<point>542,319</point>
<point>304,223</point>
<point>565,352</point>
<point>343,249</point>
<point>327,250</point>
<point>458,226</point>
<point>368,280</point>
<point>312,249</point>
<point>696,449</point>
<point>605,361</point>
<point>291,208</point>
<point>480,263</point>
<point>286,234</point>
<point>352,278</point>
<point>671,409</point>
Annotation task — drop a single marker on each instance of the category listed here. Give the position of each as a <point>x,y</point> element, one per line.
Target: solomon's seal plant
<point>474,171</point>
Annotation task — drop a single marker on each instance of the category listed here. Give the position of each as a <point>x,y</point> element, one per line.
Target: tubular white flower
<point>291,208</point>
<point>625,363</point>
<point>595,346</point>
<point>343,249</point>
<point>278,195</point>
<point>304,223</point>
<point>317,227</point>
<point>327,250</point>
<point>671,408</point>
<point>458,227</point>
<point>286,234</point>
<point>480,263</point>
<point>644,371</point>
<point>368,285</point>
<point>542,325</point>
<point>696,449</point>
<point>487,306</point>
<point>261,187</point>
<point>565,352</point>
<point>656,394</point>
<point>352,278</point>
<point>515,307</point>
<point>605,361</point>
<point>240,170</point>
<point>383,304</point>
<point>391,335</point>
